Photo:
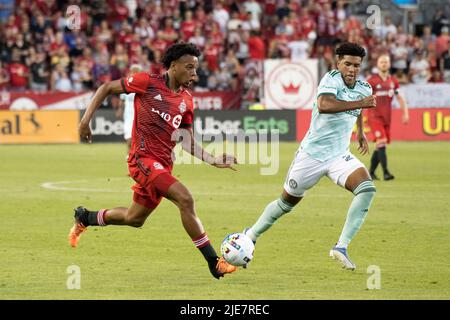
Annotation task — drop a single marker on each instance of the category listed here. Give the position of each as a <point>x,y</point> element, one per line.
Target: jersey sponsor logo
<point>129,80</point>
<point>158,97</point>
<point>176,120</point>
<point>158,166</point>
<point>384,93</point>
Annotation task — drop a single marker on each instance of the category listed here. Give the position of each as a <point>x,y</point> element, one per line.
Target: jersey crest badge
<point>182,106</point>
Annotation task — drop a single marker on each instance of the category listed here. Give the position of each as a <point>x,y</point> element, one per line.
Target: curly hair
<point>177,50</point>
<point>350,49</point>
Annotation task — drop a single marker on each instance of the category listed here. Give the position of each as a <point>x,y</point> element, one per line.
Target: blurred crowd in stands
<point>40,51</point>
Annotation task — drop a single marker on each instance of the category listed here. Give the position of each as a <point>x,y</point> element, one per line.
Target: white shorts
<point>305,171</point>
<point>128,118</point>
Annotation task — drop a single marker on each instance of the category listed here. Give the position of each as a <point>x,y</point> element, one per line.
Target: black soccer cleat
<point>81,215</point>
<point>388,176</point>
<point>374,176</point>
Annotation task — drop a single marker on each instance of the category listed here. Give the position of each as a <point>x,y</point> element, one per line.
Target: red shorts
<point>152,180</point>
<point>379,131</point>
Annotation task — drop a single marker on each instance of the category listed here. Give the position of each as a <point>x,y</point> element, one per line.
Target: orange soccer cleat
<point>75,232</point>
<point>221,268</point>
<point>78,227</point>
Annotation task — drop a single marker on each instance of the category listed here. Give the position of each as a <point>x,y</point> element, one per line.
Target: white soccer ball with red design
<point>237,249</point>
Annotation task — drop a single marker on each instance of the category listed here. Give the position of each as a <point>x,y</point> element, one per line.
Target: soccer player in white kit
<point>128,112</point>
<point>324,150</point>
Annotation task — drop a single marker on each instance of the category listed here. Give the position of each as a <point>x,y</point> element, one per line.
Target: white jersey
<point>128,114</point>
<point>329,134</point>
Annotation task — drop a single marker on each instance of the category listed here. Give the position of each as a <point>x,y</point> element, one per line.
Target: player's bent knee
<point>365,187</point>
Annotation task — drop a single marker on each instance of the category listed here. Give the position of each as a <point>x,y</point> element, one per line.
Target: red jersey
<point>158,112</point>
<point>385,91</point>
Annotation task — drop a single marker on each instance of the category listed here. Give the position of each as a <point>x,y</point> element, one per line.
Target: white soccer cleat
<point>341,255</point>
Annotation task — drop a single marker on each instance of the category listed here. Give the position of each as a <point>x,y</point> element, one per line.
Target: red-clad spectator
<point>87,57</point>
<point>216,37</point>
<point>47,7</point>
<point>306,23</point>
<point>4,76</point>
<point>187,26</point>
<point>200,15</point>
<point>18,73</point>
<point>156,67</point>
<point>326,25</point>
<point>256,47</point>
<point>119,13</point>
<point>442,42</point>
<point>208,24</point>
<point>169,34</point>
<point>211,54</point>
<point>125,34</point>
<point>295,6</point>
<point>270,7</point>
<point>58,43</point>
<point>135,48</point>
<point>159,44</point>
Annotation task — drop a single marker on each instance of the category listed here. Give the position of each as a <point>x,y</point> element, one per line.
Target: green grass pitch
<point>406,233</point>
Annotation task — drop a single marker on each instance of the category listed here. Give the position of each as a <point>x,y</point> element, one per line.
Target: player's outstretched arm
<point>102,92</point>
<point>327,103</point>
<point>191,145</point>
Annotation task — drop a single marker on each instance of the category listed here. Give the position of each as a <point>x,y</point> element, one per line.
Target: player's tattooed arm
<point>106,89</point>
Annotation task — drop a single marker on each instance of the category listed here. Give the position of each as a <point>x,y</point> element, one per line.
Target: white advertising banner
<point>436,95</point>
<point>290,84</point>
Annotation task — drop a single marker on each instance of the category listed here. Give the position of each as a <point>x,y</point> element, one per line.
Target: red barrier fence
<point>425,124</point>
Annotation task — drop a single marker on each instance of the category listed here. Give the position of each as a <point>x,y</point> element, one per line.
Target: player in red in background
<point>163,110</point>
<point>384,86</point>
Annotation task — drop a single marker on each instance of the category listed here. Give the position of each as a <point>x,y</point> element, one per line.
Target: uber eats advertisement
<point>106,127</point>
<point>246,122</point>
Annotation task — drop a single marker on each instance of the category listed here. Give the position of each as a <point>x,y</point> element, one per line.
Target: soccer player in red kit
<point>384,86</point>
<point>163,109</point>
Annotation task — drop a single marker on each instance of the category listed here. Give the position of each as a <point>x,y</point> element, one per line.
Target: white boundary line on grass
<point>58,186</point>
<point>62,186</point>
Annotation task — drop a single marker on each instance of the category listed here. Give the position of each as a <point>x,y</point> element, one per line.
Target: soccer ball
<point>237,249</point>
